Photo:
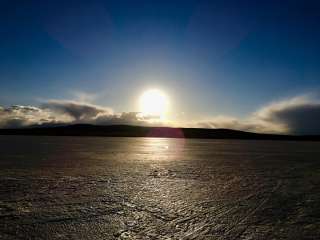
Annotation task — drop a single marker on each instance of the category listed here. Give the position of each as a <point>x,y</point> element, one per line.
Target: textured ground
<point>144,188</point>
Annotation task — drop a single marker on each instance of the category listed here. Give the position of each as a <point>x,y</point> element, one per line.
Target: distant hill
<point>138,131</point>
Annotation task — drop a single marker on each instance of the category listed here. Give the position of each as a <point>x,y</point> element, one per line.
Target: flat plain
<point>158,188</point>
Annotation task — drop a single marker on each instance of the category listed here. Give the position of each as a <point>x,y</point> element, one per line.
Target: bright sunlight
<point>154,103</point>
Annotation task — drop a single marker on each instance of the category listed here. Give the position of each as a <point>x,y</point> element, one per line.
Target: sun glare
<point>154,103</point>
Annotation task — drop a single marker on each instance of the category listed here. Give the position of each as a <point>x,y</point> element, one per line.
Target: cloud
<point>55,112</point>
<point>78,111</point>
<point>21,116</point>
<point>129,118</point>
<point>82,96</point>
<point>236,124</point>
<point>297,115</point>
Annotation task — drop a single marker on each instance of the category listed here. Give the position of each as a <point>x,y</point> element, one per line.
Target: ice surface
<point>148,188</point>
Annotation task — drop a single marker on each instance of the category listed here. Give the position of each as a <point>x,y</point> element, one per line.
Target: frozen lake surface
<point>147,188</point>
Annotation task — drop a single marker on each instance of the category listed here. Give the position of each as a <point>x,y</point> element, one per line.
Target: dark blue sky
<point>211,57</point>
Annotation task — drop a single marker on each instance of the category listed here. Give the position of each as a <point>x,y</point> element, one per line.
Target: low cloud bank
<point>56,112</point>
<point>77,111</point>
<point>298,115</point>
<point>22,116</point>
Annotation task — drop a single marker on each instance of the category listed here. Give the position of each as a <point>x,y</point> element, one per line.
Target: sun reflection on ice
<point>163,149</point>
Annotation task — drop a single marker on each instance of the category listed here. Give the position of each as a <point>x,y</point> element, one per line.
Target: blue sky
<point>211,57</point>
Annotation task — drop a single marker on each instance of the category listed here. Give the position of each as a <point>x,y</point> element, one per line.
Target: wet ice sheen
<point>148,188</point>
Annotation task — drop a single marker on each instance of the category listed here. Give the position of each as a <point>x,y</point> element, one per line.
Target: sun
<point>154,104</point>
